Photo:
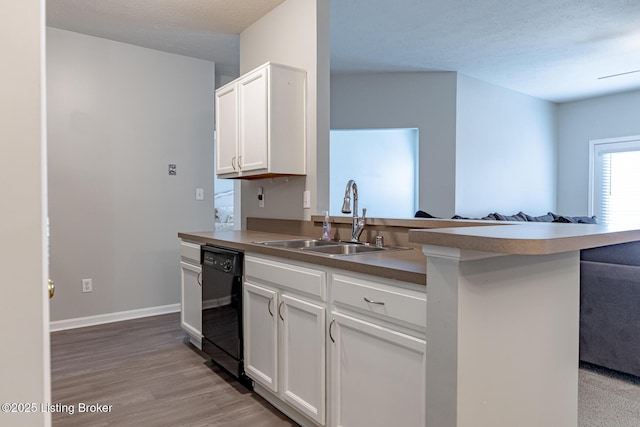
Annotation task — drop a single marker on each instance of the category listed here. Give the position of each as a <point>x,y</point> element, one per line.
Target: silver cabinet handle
<point>330,328</point>
<point>233,162</point>
<point>52,288</point>
<point>198,278</point>
<point>269,306</point>
<point>239,161</point>
<point>280,312</point>
<point>373,302</point>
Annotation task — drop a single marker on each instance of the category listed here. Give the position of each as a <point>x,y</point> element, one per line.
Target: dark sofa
<point>609,297</point>
<point>610,307</point>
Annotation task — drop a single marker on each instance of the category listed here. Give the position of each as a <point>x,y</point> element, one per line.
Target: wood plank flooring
<point>152,376</point>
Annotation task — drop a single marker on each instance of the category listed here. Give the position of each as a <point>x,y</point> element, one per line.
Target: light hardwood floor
<point>151,375</point>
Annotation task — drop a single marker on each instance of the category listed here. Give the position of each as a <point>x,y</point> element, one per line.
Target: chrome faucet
<point>358,223</point>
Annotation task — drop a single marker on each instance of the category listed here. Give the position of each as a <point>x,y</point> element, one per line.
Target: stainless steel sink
<point>346,249</point>
<point>298,243</point>
<point>327,247</point>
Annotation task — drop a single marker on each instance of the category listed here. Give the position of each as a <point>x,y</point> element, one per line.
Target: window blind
<point>618,178</point>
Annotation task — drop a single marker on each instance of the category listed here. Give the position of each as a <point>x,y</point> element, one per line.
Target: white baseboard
<point>81,322</point>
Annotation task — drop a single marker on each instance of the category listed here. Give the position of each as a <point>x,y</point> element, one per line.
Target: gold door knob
<point>52,289</point>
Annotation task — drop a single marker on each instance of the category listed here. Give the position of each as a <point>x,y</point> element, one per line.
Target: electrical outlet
<point>87,285</point>
<point>260,197</point>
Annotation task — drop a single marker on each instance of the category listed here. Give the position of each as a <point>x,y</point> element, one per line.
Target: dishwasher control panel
<point>222,259</point>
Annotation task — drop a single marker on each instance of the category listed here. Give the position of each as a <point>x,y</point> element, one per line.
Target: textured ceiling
<point>551,49</point>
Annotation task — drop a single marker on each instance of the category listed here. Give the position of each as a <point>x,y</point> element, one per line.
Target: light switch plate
<point>199,193</point>
<point>306,199</point>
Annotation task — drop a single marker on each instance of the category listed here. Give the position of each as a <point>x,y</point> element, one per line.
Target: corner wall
<point>118,115</point>
<point>610,116</point>
<point>426,101</point>
<point>505,151</point>
<point>295,33</point>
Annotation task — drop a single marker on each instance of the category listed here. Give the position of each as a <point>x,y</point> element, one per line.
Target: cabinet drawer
<point>287,275</point>
<point>383,300</point>
<point>190,251</point>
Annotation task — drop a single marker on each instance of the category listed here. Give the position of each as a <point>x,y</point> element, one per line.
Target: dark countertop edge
<point>381,265</point>
<point>510,243</point>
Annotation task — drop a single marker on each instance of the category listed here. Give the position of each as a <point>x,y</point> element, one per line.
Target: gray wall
<point>579,122</point>
<point>426,101</point>
<point>483,148</point>
<point>118,115</point>
<point>24,304</point>
<point>505,151</point>
<point>295,33</point>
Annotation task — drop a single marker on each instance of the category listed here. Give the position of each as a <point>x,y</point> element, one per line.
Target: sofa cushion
<point>488,217</point>
<point>423,214</point>
<point>576,219</point>
<point>549,217</point>
<point>517,217</point>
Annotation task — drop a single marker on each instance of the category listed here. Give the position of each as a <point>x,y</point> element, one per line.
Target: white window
<point>384,165</point>
<point>615,180</point>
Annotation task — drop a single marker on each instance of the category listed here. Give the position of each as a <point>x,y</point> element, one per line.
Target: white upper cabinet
<point>226,129</point>
<point>261,124</point>
<point>253,113</point>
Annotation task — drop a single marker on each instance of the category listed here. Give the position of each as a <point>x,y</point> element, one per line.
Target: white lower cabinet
<point>191,292</point>
<point>284,333</point>
<point>303,356</point>
<point>261,335</point>
<point>378,353</point>
<point>373,372</point>
<point>378,375</point>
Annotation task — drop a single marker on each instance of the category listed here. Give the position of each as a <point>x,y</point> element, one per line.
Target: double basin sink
<point>328,247</point>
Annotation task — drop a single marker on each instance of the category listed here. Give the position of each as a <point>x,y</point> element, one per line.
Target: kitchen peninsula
<point>503,322</point>
<point>500,312</point>
<point>315,325</point>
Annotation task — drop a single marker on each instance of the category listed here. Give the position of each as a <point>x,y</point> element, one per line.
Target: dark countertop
<point>526,238</point>
<point>403,265</point>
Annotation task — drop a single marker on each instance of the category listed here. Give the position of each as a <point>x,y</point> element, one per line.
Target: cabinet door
<point>377,375</point>
<point>226,130</point>
<point>191,301</point>
<point>303,356</point>
<point>261,335</point>
<point>253,121</point>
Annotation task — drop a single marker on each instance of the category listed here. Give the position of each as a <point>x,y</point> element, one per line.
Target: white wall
<point>579,122</point>
<point>118,115</point>
<point>295,33</point>
<point>426,101</point>
<point>505,151</point>
<point>24,304</point>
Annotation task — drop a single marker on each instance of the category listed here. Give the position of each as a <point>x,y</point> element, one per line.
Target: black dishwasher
<point>222,309</point>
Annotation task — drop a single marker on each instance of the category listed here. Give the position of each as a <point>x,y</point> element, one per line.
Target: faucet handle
<point>364,214</point>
